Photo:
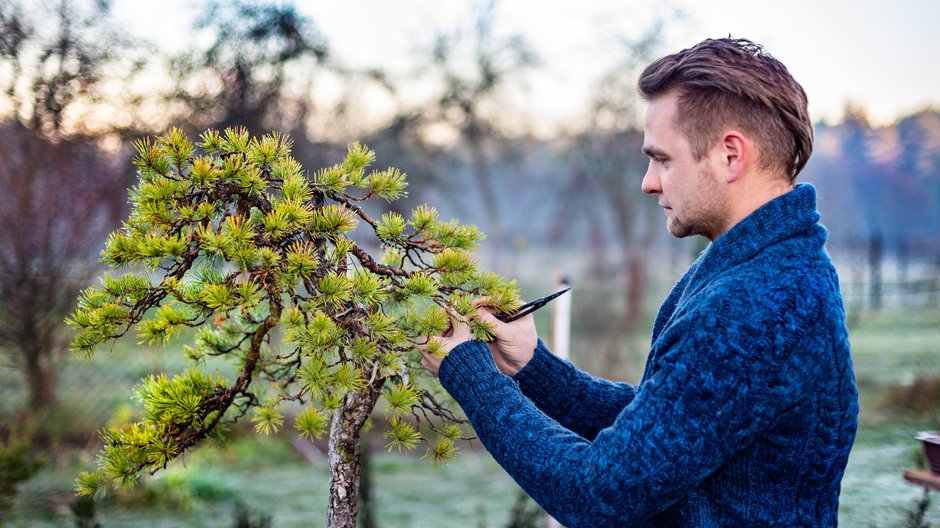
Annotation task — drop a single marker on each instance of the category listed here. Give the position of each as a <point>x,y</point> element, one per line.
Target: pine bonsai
<point>236,242</point>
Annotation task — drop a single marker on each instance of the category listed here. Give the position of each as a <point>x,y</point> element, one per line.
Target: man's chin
<point>677,230</point>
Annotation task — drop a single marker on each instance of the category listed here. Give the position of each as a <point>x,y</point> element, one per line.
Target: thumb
<point>486,315</point>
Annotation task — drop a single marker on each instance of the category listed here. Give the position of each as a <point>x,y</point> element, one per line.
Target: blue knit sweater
<point>745,413</point>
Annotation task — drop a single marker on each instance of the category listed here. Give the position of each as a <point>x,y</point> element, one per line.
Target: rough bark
<point>344,455</point>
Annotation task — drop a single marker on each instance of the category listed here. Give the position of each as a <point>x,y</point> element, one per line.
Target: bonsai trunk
<point>344,455</point>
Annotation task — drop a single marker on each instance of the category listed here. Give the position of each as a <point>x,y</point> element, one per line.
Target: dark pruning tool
<point>529,307</point>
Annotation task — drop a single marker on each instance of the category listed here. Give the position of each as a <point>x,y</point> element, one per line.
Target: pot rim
<point>929,436</point>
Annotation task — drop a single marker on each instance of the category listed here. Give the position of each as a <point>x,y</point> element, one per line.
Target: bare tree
<point>58,54</point>
<point>868,175</point>
<point>241,78</point>
<point>466,100</point>
<point>59,201</point>
<point>608,165</point>
<point>61,192</point>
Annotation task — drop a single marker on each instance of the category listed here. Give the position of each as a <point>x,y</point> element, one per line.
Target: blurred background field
<point>896,364</point>
<point>462,99</point>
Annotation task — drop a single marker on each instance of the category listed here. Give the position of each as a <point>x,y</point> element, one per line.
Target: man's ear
<point>736,154</point>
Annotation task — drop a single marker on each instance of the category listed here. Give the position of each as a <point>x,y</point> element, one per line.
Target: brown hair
<point>727,81</point>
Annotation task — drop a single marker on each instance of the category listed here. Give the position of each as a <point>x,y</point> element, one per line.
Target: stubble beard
<point>703,216</point>
<point>677,228</point>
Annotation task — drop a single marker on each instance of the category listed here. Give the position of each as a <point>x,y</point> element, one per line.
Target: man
<point>747,409</point>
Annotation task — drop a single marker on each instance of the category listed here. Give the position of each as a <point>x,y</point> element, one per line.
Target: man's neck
<point>751,195</point>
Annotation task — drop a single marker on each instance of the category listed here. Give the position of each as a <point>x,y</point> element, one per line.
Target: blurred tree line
<point>76,90</point>
<point>879,193</point>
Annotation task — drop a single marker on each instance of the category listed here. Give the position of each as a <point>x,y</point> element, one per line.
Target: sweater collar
<point>778,219</point>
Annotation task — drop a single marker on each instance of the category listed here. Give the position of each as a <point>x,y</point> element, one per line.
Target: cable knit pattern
<point>745,414</point>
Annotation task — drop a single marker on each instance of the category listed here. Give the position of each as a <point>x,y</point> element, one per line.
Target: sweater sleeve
<point>573,398</point>
<point>707,399</point>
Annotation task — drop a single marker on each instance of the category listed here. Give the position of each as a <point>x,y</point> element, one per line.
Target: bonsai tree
<point>268,266</point>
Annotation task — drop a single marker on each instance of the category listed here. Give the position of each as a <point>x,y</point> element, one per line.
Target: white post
<point>561,338</point>
<point>561,321</point>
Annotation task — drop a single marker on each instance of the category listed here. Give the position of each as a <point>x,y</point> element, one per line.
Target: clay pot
<point>931,440</point>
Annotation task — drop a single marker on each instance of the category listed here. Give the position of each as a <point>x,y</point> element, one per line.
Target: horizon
<point>573,43</point>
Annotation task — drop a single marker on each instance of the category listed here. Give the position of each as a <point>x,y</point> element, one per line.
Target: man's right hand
<point>515,341</point>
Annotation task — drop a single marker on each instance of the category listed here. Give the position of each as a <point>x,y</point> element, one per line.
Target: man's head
<point>733,82</point>
<point>726,129</point>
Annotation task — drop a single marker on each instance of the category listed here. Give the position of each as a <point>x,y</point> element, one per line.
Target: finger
<point>484,306</point>
<point>526,319</point>
<point>481,301</point>
<point>454,321</point>
<point>485,314</point>
<point>461,333</point>
<point>442,347</point>
<point>501,329</point>
<point>459,329</point>
<point>427,358</point>
<point>490,317</point>
<point>422,343</point>
<point>446,341</point>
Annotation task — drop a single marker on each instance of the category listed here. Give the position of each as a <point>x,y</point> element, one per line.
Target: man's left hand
<point>457,334</point>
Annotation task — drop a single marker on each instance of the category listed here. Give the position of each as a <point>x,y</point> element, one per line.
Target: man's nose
<point>650,183</point>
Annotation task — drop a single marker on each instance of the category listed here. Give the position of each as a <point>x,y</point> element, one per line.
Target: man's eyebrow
<point>653,152</point>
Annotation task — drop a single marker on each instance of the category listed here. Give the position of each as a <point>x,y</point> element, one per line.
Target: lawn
<point>269,477</point>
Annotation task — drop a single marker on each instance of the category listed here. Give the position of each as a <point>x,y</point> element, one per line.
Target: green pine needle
<point>391,227</point>
<point>389,184</point>
<point>348,378</point>
<point>335,289</point>
<point>451,431</point>
<point>401,398</point>
<point>311,423</point>
<point>401,435</point>
<point>91,484</point>
<point>315,377</point>
<point>435,347</point>
<point>420,284</point>
<point>433,321</point>
<point>482,330</point>
<point>333,219</point>
<point>443,451</point>
<point>268,418</point>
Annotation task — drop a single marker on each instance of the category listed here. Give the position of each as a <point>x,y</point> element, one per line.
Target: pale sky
<point>880,54</point>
